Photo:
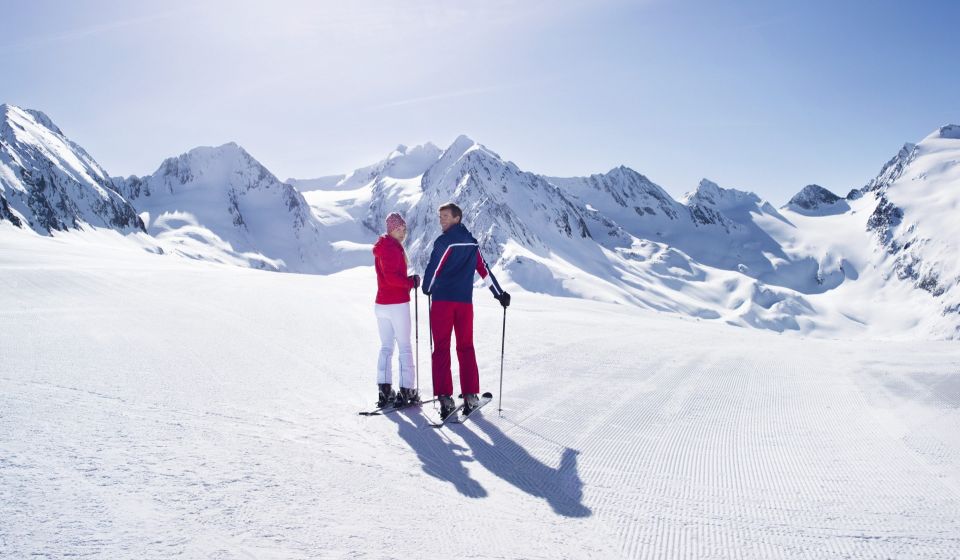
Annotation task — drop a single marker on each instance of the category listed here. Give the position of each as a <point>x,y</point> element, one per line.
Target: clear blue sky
<point>762,95</point>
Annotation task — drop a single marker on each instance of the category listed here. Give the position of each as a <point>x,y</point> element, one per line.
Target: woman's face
<point>400,233</point>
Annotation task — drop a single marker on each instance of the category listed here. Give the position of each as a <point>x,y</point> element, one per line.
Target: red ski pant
<point>445,317</point>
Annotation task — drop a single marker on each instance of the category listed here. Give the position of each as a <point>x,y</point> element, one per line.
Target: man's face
<point>447,219</point>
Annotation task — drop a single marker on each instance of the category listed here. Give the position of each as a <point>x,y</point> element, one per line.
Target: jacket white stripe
<point>488,279</point>
<point>444,258</point>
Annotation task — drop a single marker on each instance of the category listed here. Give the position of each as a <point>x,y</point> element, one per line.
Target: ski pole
<point>503,343</point>
<point>416,327</point>
<point>430,320</point>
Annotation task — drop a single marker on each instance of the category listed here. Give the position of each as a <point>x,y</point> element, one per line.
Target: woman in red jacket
<point>393,312</point>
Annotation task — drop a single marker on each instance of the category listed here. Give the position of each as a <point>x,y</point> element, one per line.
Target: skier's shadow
<point>441,458</point>
<point>560,487</point>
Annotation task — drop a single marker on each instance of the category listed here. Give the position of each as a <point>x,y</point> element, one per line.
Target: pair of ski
<point>455,417</point>
<point>391,407</point>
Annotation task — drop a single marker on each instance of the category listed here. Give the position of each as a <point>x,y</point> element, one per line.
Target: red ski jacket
<point>390,261</point>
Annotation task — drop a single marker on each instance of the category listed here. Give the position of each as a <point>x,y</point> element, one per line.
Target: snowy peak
<point>948,132</point>
<point>428,149</point>
<point>403,163</point>
<point>395,183</point>
<point>892,170</point>
<point>945,138</point>
<point>213,163</point>
<point>813,196</point>
<point>912,221</point>
<point>708,204</point>
<point>44,120</point>
<point>630,199</point>
<point>816,200</point>
<point>34,130</point>
<point>230,150</point>
<point>8,112</point>
<point>624,186</point>
<point>220,203</point>
<point>735,208</point>
<point>49,183</point>
<point>460,146</point>
<point>408,163</point>
<point>502,204</point>
<point>711,194</point>
<point>223,167</point>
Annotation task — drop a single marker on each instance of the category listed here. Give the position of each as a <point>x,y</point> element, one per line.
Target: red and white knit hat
<point>395,221</point>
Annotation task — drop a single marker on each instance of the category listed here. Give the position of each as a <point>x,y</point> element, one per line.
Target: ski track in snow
<point>150,409</point>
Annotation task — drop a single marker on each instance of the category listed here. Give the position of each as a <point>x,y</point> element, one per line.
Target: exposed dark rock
<point>813,197</point>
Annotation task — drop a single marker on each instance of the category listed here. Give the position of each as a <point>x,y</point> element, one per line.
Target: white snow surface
<point>153,406</point>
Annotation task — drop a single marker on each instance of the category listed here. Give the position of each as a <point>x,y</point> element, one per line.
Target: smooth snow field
<point>154,407</point>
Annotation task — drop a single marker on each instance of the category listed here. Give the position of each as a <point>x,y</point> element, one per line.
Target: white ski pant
<point>394,322</point>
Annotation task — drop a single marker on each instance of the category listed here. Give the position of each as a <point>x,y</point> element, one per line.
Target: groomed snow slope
<point>152,407</point>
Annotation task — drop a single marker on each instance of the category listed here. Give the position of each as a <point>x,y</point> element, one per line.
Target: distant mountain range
<point>882,260</point>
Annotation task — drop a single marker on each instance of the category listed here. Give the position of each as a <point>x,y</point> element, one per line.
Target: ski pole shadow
<point>561,487</point>
<point>441,459</point>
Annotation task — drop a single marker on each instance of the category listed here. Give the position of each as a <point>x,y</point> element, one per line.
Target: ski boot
<point>407,396</point>
<point>470,402</point>
<point>447,406</point>
<point>386,395</point>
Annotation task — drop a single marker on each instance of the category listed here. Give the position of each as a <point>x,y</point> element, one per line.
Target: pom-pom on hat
<point>395,221</point>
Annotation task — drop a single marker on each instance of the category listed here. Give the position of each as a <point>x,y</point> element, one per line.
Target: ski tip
<point>488,395</point>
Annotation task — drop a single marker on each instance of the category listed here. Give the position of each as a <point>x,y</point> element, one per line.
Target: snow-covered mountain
<point>222,204</point>
<point>917,195</point>
<point>352,207</point>
<point>503,204</point>
<point>628,198</point>
<point>717,253</point>
<point>892,243</point>
<point>48,183</point>
<point>500,202</point>
<point>395,182</point>
<point>881,261</point>
<point>557,236</point>
<point>816,200</point>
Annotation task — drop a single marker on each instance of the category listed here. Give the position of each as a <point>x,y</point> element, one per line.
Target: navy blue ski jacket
<point>455,257</point>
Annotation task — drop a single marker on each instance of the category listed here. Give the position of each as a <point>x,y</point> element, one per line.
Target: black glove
<point>504,299</point>
<point>416,280</point>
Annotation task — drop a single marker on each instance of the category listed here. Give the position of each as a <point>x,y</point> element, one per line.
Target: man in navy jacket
<point>449,280</point>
